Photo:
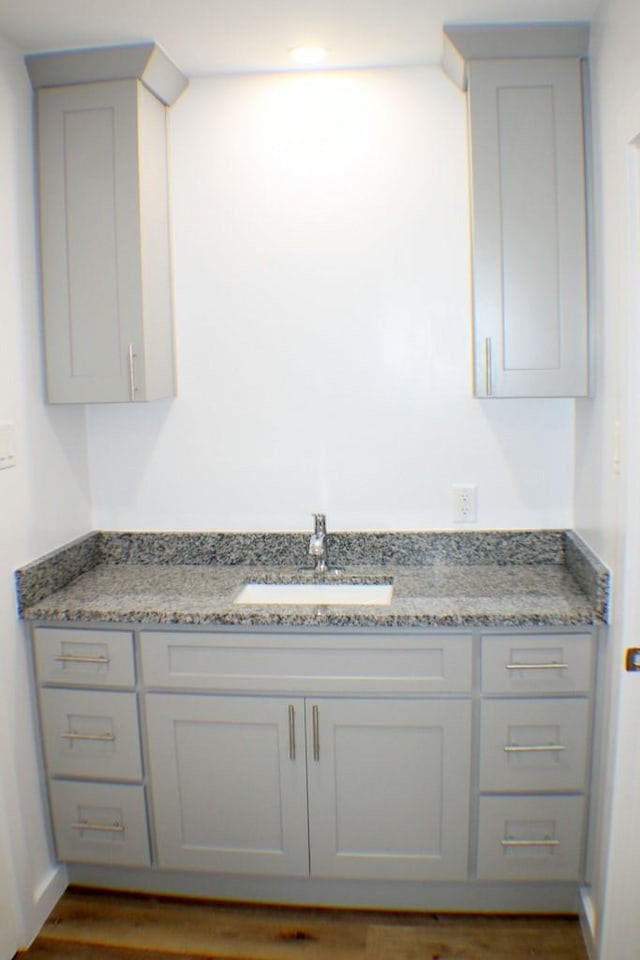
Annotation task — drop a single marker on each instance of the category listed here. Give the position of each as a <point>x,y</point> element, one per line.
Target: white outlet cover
<point>464,503</point>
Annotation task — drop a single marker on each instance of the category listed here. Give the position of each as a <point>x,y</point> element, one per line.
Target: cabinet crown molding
<point>481,41</point>
<point>146,62</point>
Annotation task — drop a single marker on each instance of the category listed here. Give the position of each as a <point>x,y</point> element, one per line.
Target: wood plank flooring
<point>90,925</point>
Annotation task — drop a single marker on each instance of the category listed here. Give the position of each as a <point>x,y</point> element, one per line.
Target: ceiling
<point>213,36</point>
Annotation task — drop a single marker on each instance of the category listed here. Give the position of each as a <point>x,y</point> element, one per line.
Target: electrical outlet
<point>464,503</point>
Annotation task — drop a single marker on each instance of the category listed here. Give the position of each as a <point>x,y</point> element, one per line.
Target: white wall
<point>321,231</point>
<point>43,500</point>
<point>606,507</point>
<point>322,293</point>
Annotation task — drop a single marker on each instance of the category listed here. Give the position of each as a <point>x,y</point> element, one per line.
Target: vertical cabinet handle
<point>292,732</point>
<point>315,718</point>
<point>132,373</point>
<point>488,385</point>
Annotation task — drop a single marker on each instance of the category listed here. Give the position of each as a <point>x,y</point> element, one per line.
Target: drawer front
<point>529,745</point>
<point>530,838</point>
<point>301,663</point>
<point>100,823</point>
<point>91,734</point>
<point>543,663</point>
<point>86,658</point>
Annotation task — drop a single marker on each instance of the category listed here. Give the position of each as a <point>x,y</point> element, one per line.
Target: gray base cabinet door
<point>389,788</point>
<point>229,783</point>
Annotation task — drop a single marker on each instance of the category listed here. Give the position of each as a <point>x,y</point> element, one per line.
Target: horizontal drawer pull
<point>101,827</point>
<point>530,843</point>
<point>102,737</point>
<point>536,666</point>
<point>535,748</point>
<point>71,658</point>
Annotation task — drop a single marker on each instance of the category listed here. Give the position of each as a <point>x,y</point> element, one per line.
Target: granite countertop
<point>484,579</point>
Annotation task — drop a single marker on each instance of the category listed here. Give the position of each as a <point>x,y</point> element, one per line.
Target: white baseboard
<point>588,921</point>
<point>45,897</point>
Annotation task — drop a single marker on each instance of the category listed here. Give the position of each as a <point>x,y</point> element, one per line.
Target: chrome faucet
<point>318,543</point>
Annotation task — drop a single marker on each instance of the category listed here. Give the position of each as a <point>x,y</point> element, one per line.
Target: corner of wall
<point>45,897</point>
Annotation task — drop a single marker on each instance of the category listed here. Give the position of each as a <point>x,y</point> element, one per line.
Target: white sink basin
<point>352,594</point>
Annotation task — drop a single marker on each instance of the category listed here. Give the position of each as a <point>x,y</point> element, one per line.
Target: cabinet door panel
<point>100,822</point>
<point>281,663</point>
<point>105,243</point>
<point>91,733</point>
<point>229,783</point>
<point>530,838</point>
<point>84,658</point>
<point>534,745</point>
<point>89,209</point>
<point>536,663</point>
<point>529,228</point>
<point>389,788</point>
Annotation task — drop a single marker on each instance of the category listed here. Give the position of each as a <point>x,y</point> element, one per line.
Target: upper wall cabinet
<point>104,222</point>
<point>529,246</point>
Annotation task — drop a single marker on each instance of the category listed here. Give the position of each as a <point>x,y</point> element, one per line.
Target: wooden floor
<point>96,926</point>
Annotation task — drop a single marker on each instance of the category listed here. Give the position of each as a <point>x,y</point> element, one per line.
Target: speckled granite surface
<point>440,579</point>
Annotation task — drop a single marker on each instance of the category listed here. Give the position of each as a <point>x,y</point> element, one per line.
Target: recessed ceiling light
<point>308,56</point>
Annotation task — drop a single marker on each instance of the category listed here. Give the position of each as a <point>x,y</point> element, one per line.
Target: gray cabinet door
<point>105,243</point>
<point>91,734</point>
<point>529,228</point>
<point>229,783</point>
<point>534,745</point>
<point>78,657</point>
<point>389,788</point>
<point>100,822</point>
<point>530,838</point>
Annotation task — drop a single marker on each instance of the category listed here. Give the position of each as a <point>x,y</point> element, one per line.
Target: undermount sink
<point>350,594</point>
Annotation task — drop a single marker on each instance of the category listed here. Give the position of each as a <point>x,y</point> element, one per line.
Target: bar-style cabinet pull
<point>535,748</point>
<point>132,373</point>
<point>315,718</point>
<point>101,737</point>
<point>530,843</point>
<point>72,658</point>
<point>292,732</point>
<point>488,384</point>
<point>100,827</point>
<point>536,666</point>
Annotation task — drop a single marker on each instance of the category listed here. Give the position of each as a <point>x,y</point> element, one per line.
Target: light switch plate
<point>7,446</point>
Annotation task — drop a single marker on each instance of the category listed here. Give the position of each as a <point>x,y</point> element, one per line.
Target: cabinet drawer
<point>299,663</point>
<point>542,663</point>
<point>530,838</point>
<point>87,658</point>
<point>529,745</point>
<point>91,734</point>
<point>100,823</point>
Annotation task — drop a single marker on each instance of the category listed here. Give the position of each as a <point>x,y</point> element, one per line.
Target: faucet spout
<point>318,543</point>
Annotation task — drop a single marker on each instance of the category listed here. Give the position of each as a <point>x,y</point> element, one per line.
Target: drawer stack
<point>533,772</point>
<point>91,743</point>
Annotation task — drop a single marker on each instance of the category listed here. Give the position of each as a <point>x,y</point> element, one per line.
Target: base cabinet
<point>91,744</point>
<point>387,782</point>
<point>321,767</point>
